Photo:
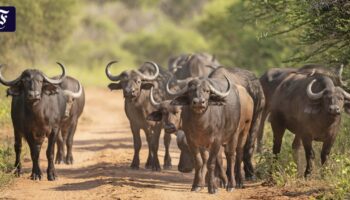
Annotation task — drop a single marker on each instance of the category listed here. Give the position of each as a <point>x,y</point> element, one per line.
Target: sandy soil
<point>103,151</point>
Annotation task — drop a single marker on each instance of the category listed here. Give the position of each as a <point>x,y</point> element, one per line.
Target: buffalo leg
<point>51,172</point>
<point>260,133</point>
<point>167,158</point>
<point>326,149</point>
<point>230,153</point>
<point>248,165</point>
<point>198,163</point>
<point>205,156</point>
<point>278,132</point>
<point>69,143</point>
<point>18,150</point>
<point>239,156</point>
<point>60,148</point>
<point>296,148</point>
<point>310,156</point>
<point>137,147</point>
<point>214,151</point>
<point>254,132</point>
<point>149,161</point>
<point>154,147</point>
<point>35,152</point>
<point>219,170</point>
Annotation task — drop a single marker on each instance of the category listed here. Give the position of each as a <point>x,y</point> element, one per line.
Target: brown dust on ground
<point>103,150</point>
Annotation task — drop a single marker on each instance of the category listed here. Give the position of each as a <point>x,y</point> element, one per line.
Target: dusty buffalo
<point>309,107</point>
<point>252,85</point>
<point>38,111</point>
<point>271,79</point>
<point>210,119</point>
<point>183,68</point>
<point>74,109</point>
<point>136,85</point>
<point>192,65</point>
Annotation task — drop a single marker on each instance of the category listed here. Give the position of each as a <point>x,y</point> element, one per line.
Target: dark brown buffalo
<point>192,65</point>
<point>38,111</point>
<point>309,106</point>
<point>74,108</point>
<point>210,120</point>
<point>251,83</point>
<point>136,85</point>
<point>271,79</point>
<point>183,67</point>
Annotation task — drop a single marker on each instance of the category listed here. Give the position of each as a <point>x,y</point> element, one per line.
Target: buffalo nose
<point>130,91</point>
<point>334,109</point>
<point>169,126</point>
<point>33,94</point>
<point>198,101</point>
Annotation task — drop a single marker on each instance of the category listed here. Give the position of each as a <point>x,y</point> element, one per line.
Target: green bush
<point>161,43</point>
<point>6,163</point>
<point>334,175</point>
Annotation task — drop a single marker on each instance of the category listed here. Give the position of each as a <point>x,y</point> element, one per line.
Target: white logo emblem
<point>3,17</point>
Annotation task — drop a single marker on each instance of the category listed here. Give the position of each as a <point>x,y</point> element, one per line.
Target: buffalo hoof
<point>69,160</point>
<point>167,166</point>
<point>18,172</point>
<point>156,168</point>
<point>223,184</point>
<point>135,164</point>
<point>250,178</point>
<point>51,176</point>
<point>196,189</point>
<point>229,189</point>
<point>59,158</point>
<point>148,164</point>
<point>239,185</point>
<point>134,167</point>
<point>212,190</point>
<point>167,163</point>
<point>35,176</point>
<point>184,170</point>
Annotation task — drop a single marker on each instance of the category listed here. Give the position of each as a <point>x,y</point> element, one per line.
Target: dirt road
<point>103,151</point>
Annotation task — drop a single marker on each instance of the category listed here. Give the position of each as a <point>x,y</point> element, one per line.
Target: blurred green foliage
<point>164,42</point>
<point>321,27</point>
<point>85,35</point>
<point>236,42</point>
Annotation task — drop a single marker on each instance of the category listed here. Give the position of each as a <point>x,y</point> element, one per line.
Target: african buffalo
<point>309,106</point>
<point>136,85</point>
<point>210,119</point>
<point>38,111</point>
<point>74,109</point>
<point>192,65</point>
<point>252,85</point>
<point>271,79</point>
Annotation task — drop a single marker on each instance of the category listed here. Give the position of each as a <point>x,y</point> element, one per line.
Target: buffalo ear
<point>50,89</point>
<point>216,101</point>
<point>13,91</point>
<point>347,107</point>
<point>155,116</point>
<point>115,86</point>
<point>146,86</point>
<point>180,101</point>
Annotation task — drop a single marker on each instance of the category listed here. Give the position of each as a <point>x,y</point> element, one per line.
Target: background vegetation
<point>256,35</point>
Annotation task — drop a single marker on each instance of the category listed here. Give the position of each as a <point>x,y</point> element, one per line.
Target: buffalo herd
<point>213,110</point>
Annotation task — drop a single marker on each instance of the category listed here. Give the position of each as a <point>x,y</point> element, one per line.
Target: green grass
<point>7,158</point>
<point>334,176</point>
